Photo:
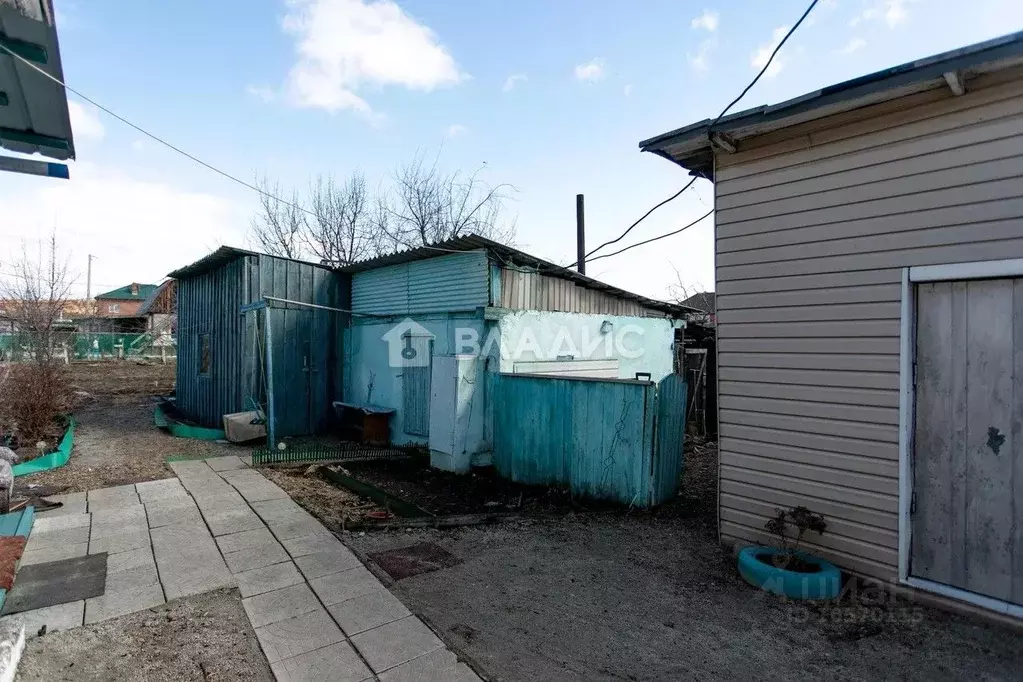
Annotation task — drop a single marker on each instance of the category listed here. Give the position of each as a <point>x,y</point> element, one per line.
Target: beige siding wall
<point>523,290</point>
<point>813,227</point>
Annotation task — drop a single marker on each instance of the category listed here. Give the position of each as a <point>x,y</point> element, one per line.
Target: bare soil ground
<point>336,507</point>
<point>116,441</point>
<point>205,637</point>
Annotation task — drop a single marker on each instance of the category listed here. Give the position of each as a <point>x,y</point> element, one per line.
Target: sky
<point>548,98</point>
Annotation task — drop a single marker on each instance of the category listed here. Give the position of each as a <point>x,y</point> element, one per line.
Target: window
<point>205,354</point>
<point>114,308</point>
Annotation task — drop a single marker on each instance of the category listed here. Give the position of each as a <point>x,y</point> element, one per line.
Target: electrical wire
<point>652,239</point>
<point>710,129</point>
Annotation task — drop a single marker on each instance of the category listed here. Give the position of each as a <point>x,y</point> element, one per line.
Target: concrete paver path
<point>318,613</point>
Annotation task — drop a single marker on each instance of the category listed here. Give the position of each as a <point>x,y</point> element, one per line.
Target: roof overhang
<point>693,147</point>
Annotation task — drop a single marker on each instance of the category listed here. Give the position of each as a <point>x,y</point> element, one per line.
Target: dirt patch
<point>336,507</point>
<point>205,637</point>
<point>122,377</point>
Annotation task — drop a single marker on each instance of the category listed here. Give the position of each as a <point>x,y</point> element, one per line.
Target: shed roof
<point>510,256</point>
<point>691,147</point>
<point>125,293</point>
<point>150,302</point>
<point>226,254</point>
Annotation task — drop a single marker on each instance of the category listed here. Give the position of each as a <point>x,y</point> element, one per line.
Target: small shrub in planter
<point>787,570</point>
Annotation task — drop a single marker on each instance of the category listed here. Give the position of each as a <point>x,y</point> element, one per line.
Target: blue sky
<point>552,96</point>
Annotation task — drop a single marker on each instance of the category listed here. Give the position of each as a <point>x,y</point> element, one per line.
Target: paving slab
<point>369,611</point>
<point>233,521</point>
<point>55,618</point>
<point>113,604</point>
<point>131,578</point>
<point>437,666</point>
<point>50,538</point>
<point>119,543</point>
<point>160,515</point>
<point>337,663</point>
<point>57,582</point>
<point>133,512</point>
<point>114,528</point>
<point>197,579</point>
<point>320,564</point>
<point>112,498</point>
<point>73,503</point>
<point>225,463</point>
<point>255,557</point>
<point>337,587</point>
<point>311,544</point>
<point>395,643</point>
<point>294,636</point>
<point>182,539</point>
<point>123,561</point>
<point>246,540</point>
<point>295,526</point>
<point>282,604</point>
<point>268,578</point>
<point>269,509</point>
<point>186,467</point>
<point>45,524</point>
<point>41,556</point>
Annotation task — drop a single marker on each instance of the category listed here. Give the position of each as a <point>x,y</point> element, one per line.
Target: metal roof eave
<point>690,146</point>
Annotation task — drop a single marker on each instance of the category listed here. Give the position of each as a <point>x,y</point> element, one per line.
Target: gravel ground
<point>205,637</point>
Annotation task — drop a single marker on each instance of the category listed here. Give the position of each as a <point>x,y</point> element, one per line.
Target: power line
<point>652,239</point>
<point>710,128</point>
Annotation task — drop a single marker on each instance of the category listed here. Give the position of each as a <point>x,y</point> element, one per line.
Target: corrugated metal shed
<point>523,290</point>
<point>447,283</point>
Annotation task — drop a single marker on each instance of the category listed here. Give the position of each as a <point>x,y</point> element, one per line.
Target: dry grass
<point>32,398</point>
<point>336,507</point>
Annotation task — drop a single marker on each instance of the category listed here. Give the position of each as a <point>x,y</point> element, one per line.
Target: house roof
<point>226,254</point>
<point>125,293</point>
<point>691,147</point>
<point>150,302</point>
<point>508,255</point>
<point>704,301</point>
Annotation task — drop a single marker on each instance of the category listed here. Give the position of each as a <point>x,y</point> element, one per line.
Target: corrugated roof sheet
<point>125,293</point>
<point>226,254</point>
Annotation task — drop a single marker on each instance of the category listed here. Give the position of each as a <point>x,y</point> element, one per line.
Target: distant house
<point>704,302</point>
<point>161,310</point>
<point>118,310</point>
<point>869,286</point>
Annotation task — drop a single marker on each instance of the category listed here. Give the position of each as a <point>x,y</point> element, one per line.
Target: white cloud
<point>853,45</point>
<point>892,12</point>
<point>627,89</point>
<point>708,21</point>
<point>513,80</point>
<point>345,46</point>
<point>456,130</point>
<point>263,92</point>
<point>592,70</point>
<point>700,60</point>
<point>101,204</point>
<point>85,123</point>
<point>763,53</point>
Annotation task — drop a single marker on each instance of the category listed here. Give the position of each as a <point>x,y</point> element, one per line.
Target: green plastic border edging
<point>184,430</point>
<point>384,499</point>
<point>55,459</point>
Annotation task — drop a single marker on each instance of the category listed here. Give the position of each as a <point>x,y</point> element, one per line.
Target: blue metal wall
<point>455,283</point>
<point>595,437</point>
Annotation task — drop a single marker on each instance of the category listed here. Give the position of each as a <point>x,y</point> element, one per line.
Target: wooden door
<point>967,507</point>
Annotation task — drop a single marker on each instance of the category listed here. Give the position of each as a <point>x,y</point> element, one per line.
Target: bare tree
<point>280,223</point>
<point>427,205</point>
<point>33,296</point>
<point>341,231</point>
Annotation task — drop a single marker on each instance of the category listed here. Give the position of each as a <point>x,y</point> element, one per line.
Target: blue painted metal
<point>271,409</point>
<point>593,436</point>
<point>34,167</point>
<point>454,283</point>
<point>669,439</point>
<point>248,307</point>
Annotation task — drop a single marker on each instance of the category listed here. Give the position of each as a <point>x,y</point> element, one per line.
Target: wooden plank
<point>931,550</point>
<point>959,454</point>
<point>989,496</point>
<point>1017,440</point>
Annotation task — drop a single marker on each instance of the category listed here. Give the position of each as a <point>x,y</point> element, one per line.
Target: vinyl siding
<point>814,225</point>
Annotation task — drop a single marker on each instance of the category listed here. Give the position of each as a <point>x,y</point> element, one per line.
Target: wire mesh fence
<point>21,346</point>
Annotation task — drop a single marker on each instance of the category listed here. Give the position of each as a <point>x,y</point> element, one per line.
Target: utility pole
<point>88,279</point>
<point>580,235</point>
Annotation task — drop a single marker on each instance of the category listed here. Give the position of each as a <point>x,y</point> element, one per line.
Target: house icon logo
<point>408,344</point>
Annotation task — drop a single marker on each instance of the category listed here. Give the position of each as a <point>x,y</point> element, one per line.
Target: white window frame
<point>907,405</point>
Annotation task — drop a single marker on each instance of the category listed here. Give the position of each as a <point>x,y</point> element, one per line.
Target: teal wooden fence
<point>597,437</point>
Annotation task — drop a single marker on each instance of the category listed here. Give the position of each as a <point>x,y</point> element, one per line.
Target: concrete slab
<point>119,543</point>
<point>227,500</point>
<point>55,618</point>
<point>282,604</point>
<point>395,643</point>
<point>269,509</point>
<point>188,560</point>
<point>233,521</point>
<point>129,514</point>
<point>437,666</point>
<point>268,578</point>
<point>112,498</point>
<point>337,587</point>
<point>186,467</point>
<point>182,540</point>
<point>113,604</point>
<point>255,557</point>
<point>51,538</point>
<point>167,488</point>
<point>337,662</point>
<point>45,524</point>
<point>294,636</point>
<point>246,540</point>
<point>241,475</point>
<point>196,579</point>
<point>57,582</point>
<point>73,503</point>
<point>160,515</point>
<point>130,559</point>
<point>131,578</point>
<point>369,611</point>
<point>225,463</point>
<point>324,563</point>
<point>311,544</point>
<point>113,528</point>
<point>296,526</point>
<point>41,556</point>
<point>259,490</point>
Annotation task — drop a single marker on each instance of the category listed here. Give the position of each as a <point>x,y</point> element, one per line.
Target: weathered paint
<point>459,412</point>
<point>669,438</point>
<point>563,334</point>
<point>593,436</point>
<point>454,283</point>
